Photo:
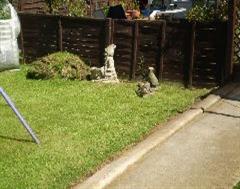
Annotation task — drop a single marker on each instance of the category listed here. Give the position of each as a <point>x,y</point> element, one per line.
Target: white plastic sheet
<point>9,31</point>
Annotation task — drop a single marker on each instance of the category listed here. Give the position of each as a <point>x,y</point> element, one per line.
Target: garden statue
<point>9,31</point>
<point>152,78</point>
<point>148,87</point>
<point>107,73</point>
<point>109,67</point>
<point>144,89</point>
<point>96,73</point>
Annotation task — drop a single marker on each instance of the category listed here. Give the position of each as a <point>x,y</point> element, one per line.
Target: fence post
<point>232,6</point>
<point>60,34</point>
<point>192,54</point>
<point>108,31</point>
<point>221,40</point>
<point>19,6</point>
<point>21,40</point>
<point>160,53</point>
<point>134,49</point>
<point>22,46</point>
<point>105,38</point>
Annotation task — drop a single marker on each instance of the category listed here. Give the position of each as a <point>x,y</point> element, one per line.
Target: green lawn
<point>81,126</point>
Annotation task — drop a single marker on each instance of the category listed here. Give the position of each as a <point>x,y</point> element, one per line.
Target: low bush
<point>59,65</point>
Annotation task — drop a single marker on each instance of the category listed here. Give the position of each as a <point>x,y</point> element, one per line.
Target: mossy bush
<point>59,65</point>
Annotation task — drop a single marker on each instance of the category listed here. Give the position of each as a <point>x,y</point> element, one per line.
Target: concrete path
<point>204,154</point>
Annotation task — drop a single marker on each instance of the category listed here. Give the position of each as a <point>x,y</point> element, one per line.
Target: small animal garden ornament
<point>144,89</point>
<point>107,73</point>
<point>147,88</point>
<point>152,78</point>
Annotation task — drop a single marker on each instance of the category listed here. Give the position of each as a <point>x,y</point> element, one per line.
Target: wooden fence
<point>233,66</point>
<point>194,54</point>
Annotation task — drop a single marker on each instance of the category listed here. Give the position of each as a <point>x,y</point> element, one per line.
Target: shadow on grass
<point>16,139</point>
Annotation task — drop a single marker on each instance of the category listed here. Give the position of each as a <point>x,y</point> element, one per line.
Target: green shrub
<point>222,11</point>
<point>5,12</point>
<point>59,65</point>
<point>202,12</point>
<point>72,7</point>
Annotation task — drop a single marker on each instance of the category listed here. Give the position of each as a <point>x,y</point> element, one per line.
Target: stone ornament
<point>148,87</point>
<point>107,73</point>
<point>144,89</point>
<point>152,78</point>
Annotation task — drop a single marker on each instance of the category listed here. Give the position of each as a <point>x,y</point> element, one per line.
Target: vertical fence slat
<point>191,54</point>
<point>134,50</point>
<point>230,44</point>
<point>105,37</point>
<point>60,35</point>
<point>108,31</point>
<point>186,52</point>
<point>113,30</point>
<point>161,54</point>
<point>21,38</point>
<point>221,51</point>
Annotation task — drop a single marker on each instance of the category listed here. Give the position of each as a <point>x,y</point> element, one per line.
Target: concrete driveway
<point>204,154</point>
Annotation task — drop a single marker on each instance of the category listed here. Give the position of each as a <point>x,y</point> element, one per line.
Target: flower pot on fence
<point>133,14</point>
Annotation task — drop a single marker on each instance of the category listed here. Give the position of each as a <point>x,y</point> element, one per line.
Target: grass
<point>81,125</point>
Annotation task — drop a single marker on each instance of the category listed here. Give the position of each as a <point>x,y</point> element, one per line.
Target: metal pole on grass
<point>19,116</point>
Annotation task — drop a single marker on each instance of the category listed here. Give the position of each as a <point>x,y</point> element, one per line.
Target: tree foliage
<point>5,12</point>
<point>204,11</point>
<point>70,7</point>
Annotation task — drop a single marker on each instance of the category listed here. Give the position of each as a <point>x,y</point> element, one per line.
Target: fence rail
<point>192,53</point>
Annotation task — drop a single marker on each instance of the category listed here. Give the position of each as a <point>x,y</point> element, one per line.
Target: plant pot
<point>133,14</point>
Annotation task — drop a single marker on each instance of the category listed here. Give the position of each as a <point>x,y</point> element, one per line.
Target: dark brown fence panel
<point>222,50</point>
<point>175,50</point>
<point>123,32</point>
<point>32,6</point>
<point>84,37</point>
<point>150,45</point>
<point>210,54</point>
<point>40,35</point>
<point>205,67</point>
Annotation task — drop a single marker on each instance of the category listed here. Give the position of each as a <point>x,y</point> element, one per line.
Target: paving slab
<point>204,154</point>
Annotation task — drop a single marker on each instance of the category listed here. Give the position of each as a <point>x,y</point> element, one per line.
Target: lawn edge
<point>105,176</point>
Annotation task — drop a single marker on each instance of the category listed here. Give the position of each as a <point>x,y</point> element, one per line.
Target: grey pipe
<point>19,116</point>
